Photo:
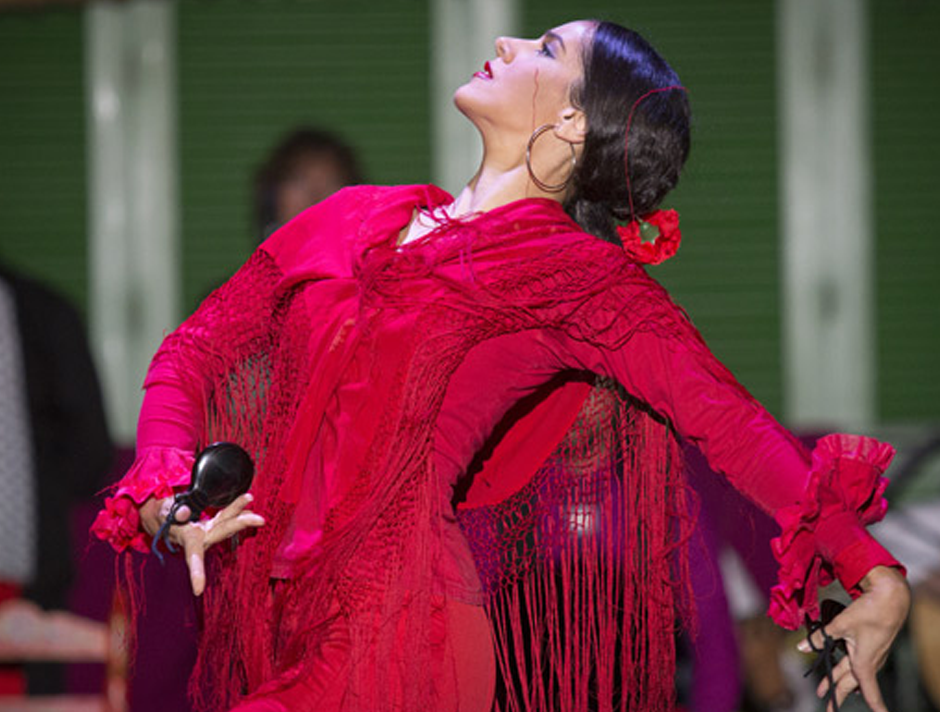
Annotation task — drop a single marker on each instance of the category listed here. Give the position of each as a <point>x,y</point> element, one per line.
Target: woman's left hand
<point>868,626</point>
<point>196,537</point>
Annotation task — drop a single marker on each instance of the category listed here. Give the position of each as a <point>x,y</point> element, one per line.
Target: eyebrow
<point>551,36</point>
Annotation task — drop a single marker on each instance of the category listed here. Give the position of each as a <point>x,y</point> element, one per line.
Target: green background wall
<point>42,147</point>
<point>248,71</point>
<point>906,148</point>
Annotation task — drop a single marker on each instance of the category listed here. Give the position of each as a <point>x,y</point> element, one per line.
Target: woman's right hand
<point>196,537</point>
<point>868,626</point>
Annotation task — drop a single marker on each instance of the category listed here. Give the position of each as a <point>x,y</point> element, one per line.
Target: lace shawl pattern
<point>474,281</point>
<point>584,556</point>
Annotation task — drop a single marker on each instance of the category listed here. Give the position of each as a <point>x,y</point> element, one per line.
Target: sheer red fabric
<point>330,355</point>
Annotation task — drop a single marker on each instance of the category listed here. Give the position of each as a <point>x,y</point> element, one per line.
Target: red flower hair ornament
<point>653,239</point>
<point>656,237</point>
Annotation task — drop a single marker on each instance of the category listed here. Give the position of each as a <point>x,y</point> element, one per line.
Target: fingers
<point>235,508</point>
<point>870,690</point>
<point>195,538</point>
<point>857,670</point>
<point>844,688</point>
<point>217,531</point>
<point>835,629</point>
<point>842,669</point>
<point>845,684</point>
<point>816,641</point>
<point>225,523</point>
<point>153,512</point>
<point>182,514</point>
<point>231,520</point>
<point>868,626</point>
<point>194,551</point>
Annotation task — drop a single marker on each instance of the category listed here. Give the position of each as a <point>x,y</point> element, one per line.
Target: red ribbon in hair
<point>655,238</point>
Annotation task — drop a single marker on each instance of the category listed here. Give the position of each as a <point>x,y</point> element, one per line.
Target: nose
<point>505,48</point>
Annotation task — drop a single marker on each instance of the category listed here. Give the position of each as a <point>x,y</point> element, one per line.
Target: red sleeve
<point>227,326</point>
<point>822,502</point>
<point>234,321</point>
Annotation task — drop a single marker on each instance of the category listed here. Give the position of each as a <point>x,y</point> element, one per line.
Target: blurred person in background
<point>54,450</point>
<point>306,166</point>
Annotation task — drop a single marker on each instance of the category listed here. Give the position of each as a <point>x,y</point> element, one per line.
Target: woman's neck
<point>491,188</point>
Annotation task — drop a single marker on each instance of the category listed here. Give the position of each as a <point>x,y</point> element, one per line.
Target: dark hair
<point>620,67</point>
<point>293,150</point>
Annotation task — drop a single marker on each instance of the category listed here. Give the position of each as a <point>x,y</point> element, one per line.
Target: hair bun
<point>625,82</point>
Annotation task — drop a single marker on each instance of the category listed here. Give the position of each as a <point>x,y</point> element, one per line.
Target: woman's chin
<point>465,102</point>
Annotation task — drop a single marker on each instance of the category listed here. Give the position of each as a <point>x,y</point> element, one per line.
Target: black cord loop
<point>831,651</point>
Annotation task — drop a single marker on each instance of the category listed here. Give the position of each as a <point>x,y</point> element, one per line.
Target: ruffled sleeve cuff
<point>157,472</point>
<point>823,536</point>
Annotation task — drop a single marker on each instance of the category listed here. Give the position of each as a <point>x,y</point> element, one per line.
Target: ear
<point>572,125</point>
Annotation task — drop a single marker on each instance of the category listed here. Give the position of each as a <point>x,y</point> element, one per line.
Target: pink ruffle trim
<point>845,481</point>
<point>155,473</point>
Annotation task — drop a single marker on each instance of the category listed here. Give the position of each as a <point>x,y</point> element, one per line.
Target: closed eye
<point>549,39</point>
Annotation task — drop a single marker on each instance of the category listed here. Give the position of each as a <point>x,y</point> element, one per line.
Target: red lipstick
<point>487,72</point>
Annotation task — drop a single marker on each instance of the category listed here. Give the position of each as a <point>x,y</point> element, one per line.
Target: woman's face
<point>529,82</point>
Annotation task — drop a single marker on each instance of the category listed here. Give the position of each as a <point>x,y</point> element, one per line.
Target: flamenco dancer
<point>464,416</point>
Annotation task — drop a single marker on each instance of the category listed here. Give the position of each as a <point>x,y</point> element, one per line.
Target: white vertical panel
<point>826,212</point>
<point>107,209</point>
<point>463,34</point>
<point>133,213</point>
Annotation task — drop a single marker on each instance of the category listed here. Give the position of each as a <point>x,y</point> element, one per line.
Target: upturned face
<point>528,84</point>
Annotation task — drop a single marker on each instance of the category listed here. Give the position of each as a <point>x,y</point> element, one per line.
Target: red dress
<point>370,380</point>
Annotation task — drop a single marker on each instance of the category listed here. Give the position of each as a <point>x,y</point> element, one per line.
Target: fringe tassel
<point>583,604</point>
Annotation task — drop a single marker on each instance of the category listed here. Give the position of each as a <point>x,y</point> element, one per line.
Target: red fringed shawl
<point>575,551</point>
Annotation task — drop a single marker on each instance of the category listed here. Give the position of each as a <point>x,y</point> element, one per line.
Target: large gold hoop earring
<point>558,187</point>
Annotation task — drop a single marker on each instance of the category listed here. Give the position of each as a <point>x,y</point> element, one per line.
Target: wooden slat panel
<point>906,96</point>
<point>249,71</point>
<point>42,147</point>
